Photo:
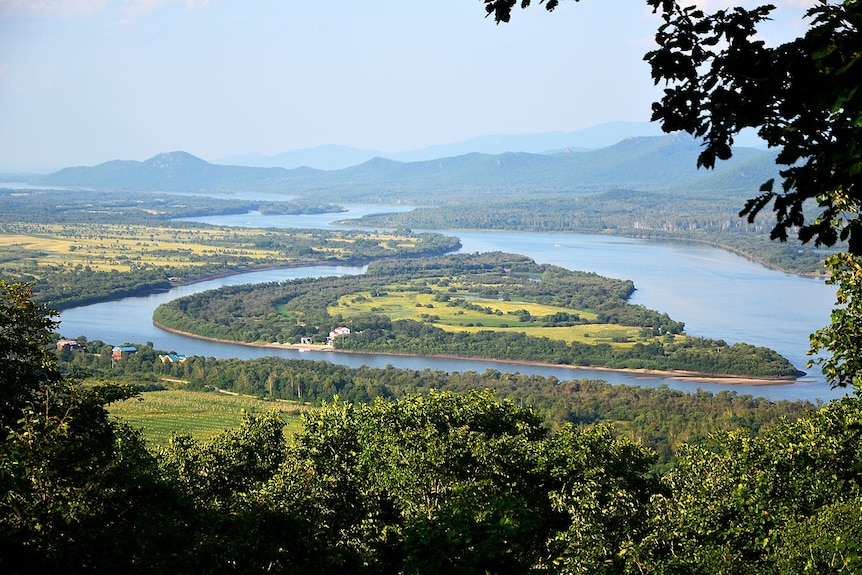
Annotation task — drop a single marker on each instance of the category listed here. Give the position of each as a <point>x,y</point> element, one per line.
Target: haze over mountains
<point>331,157</point>
<point>643,162</point>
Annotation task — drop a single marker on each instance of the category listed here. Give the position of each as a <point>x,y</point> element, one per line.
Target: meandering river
<point>716,293</point>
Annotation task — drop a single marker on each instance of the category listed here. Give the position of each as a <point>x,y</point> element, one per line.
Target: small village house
<point>172,358</point>
<point>119,351</point>
<point>69,344</point>
<point>335,333</point>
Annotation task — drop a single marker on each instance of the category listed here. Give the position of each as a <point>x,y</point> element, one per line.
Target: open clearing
<point>467,313</point>
<point>160,414</point>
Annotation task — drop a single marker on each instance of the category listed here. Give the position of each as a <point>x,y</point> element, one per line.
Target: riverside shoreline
<point>678,375</point>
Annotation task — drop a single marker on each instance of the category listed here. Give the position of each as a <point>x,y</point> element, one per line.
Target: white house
<point>336,332</point>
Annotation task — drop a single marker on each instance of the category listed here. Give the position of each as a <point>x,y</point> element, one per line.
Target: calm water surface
<point>716,293</point>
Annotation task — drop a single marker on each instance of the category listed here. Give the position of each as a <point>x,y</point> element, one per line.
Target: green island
<point>494,305</point>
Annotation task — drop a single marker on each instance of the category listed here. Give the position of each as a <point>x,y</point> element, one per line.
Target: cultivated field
<point>160,414</point>
<point>104,247</point>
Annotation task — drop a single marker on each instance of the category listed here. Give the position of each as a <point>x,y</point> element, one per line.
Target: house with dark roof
<point>69,344</point>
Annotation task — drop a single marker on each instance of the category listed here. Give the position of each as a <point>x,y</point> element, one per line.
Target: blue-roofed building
<point>120,350</point>
<point>172,358</point>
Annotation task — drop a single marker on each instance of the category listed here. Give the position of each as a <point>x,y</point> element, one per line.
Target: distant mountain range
<point>332,157</point>
<point>643,163</point>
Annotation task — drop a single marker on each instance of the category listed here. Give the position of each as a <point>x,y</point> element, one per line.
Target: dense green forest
<point>433,482</point>
<point>660,418</point>
<point>290,311</point>
<point>430,480</point>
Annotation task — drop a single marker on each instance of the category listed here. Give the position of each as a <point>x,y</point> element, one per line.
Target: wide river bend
<point>716,293</point>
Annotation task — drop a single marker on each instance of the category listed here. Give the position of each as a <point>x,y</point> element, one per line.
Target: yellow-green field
<point>413,305</point>
<point>124,247</point>
<point>617,335</point>
<point>160,414</point>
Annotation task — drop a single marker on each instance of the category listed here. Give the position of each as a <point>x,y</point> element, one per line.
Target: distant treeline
<point>146,208</point>
<point>702,217</point>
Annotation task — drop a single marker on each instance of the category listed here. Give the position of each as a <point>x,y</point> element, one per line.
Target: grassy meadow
<point>160,414</point>
<point>400,303</point>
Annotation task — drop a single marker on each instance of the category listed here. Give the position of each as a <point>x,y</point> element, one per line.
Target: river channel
<point>716,293</point>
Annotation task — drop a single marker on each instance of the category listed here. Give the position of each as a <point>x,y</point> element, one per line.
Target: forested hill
<point>644,163</point>
<point>171,171</point>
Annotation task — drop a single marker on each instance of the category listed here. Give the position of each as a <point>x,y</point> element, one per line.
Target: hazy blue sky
<point>86,81</point>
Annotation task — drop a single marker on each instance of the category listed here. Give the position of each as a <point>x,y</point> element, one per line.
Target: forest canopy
<point>430,483</point>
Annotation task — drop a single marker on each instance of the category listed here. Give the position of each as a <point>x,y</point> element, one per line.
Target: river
<point>716,293</point>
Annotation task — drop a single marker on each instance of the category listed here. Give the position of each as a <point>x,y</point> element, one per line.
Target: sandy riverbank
<point>678,375</point>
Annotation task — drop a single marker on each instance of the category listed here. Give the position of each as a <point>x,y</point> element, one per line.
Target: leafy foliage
<point>27,366</point>
<point>842,338</point>
<point>721,78</point>
<point>741,503</point>
<point>463,484</point>
<point>432,483</point>
<point>71,479</point>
